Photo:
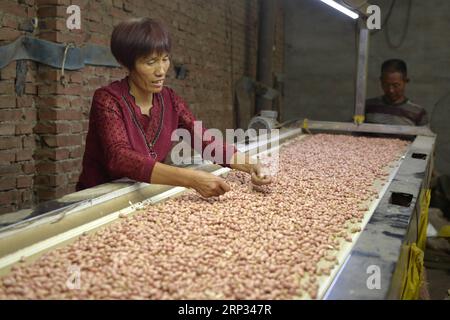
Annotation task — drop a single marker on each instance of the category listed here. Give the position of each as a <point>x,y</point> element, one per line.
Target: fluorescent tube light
<point>341,8</point>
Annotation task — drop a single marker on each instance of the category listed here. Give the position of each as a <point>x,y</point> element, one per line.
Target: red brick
<point>45,127</point>
<point>77,127</point>
<point>75,36</point>
<point>70,165</point>
<point>6,157</point>
<point>7,183</point>
<point>49,74</point>
<point>60,114</point>
<point>7,129</point>
<point>24,128</point>
<point>9,72</point>
<point>29,115</point>
<point>73,178</point>
<point>42,180</point>
<point>10,22</point>
<point>52,193</point>
<point>85,126</point>
<point>27,196</point>
<point>51,11</point>
<point>48,35</point>
<point>31,75</point>
<point>24,182</point>
<point>48,2</point>
<point>7,102</point>
<point>7,209</point>
<point>118,3</point>
<point>52,180</point>
<point>58,24</point>
<point>31,9</point>
<point>8,34</point>
<point>76,77</point>
<point>23,155</point>
<point>9,197</point>
<point>50,114</point>
<point>70,89</point>
<point>7,87</point>
<point>52,127</point>
<point>77,152</point>
<point>25,101</point>
<point>52,154</point>
<point>29,142</point>
<point>78,102</point>
<point>62,141</point>
<point>53,101</point>
<point>46,194</point>
<point>11,169</point>
<point>10,115</point>
<point>14,8</point>
<point>31,88</point>
<point>94,16</point>
<point>96,82</point>
<point>29,168</point>
<point>9,142</point>
<point>98,28</point>
<point>117,73</point>
<point>55,167</point>
<point>47,167</point>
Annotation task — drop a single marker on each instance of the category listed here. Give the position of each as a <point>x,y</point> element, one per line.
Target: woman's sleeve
<point>121,160</point>
<point>186,120</point>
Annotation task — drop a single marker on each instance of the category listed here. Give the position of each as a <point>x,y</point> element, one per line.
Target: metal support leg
<point>361,76</point>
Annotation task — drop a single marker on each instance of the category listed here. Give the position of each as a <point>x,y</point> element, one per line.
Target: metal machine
<point>390,227</point>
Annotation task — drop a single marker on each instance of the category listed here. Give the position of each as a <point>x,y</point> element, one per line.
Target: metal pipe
<point>361,75</point>
<point>267,17</point>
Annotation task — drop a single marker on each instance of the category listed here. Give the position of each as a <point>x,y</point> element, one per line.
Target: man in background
<point>394,107</point>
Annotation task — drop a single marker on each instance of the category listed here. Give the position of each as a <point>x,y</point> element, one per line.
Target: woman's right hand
<point>208,185</point>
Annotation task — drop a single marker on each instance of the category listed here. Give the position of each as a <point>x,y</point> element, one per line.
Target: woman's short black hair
<point>394,65</point>
<point>138,37</point>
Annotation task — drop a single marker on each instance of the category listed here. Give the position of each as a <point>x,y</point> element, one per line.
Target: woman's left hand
<point>257,177</point>
<point>242,162</point>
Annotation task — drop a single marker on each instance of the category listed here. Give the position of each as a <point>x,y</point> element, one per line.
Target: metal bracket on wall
<point>52,54</point>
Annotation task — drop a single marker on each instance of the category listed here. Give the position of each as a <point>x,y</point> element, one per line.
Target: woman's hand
<point>208,185</point>
<point>242,162</point>
<point>258,178</point>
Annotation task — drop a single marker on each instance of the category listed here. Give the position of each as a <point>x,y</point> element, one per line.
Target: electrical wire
<point>404,32</point>
<point>386,20</point>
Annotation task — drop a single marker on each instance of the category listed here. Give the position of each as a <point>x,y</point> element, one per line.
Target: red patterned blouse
<point>123,142</point>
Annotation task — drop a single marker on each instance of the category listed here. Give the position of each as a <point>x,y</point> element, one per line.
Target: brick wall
<point>43,131</point>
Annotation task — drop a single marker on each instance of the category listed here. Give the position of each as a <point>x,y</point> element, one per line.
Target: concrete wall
<point>42,132</point>
<point>320,61</point>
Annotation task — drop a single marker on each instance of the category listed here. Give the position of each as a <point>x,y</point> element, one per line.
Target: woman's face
<point>150,72</point>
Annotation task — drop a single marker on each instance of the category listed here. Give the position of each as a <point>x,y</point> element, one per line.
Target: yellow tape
<point>305,124</point>
<point>359,118</point>
<point>425,197</point>
<point>414,274</point>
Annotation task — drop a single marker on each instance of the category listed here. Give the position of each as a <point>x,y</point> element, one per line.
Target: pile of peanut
<point>251,243</point>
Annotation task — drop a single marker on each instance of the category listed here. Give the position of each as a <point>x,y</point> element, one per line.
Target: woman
<point>132,120</point>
